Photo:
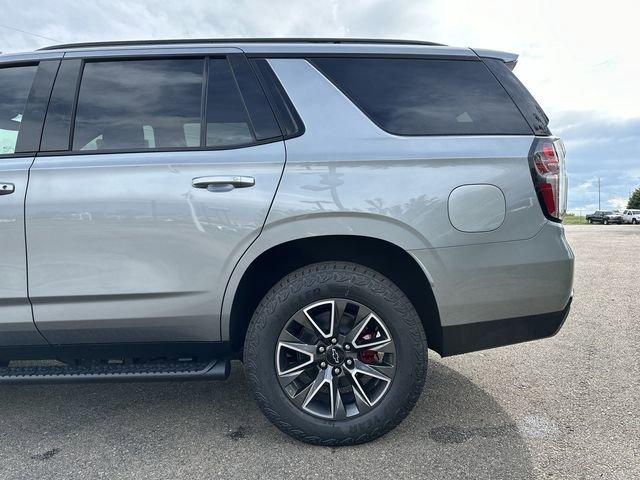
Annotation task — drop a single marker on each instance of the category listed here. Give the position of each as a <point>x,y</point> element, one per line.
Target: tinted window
<point>532,112</point>
<point>227,120</point>
<point>15,83</point>
<point>139,104</point>
<point>262,120</point>
<point>288,119</point>
<point>427,96</point>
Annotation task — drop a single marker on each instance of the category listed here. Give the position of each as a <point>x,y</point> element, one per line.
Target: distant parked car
<point>604,217</point>
<point>631,216</point>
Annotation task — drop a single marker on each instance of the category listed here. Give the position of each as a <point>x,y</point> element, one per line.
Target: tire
<point>326,285</point>
<point>589,221</point>
<point>634,221</point>
<point>605,222</point>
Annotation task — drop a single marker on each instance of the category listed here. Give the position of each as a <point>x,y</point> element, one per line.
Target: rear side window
<point>15,84</point>
<point>227,120</point>
<point>532,112</point>
<point>139,104</point>
<point>427,96</point>
<point>288,118</point>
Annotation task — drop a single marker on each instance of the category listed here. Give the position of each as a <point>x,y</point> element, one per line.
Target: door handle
<point>223,183</point>
<point>7,188</point>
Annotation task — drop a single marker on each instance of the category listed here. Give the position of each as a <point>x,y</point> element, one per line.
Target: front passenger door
<point>134,227</point>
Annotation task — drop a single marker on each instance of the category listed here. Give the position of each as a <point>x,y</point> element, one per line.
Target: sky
<point>578,58</point>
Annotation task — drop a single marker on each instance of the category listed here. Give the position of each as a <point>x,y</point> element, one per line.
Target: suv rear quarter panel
<point>347,176</point>
<point>345,163</point>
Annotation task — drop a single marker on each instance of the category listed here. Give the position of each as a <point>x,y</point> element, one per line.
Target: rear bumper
<point>470,337</point>
<point>495,294</point>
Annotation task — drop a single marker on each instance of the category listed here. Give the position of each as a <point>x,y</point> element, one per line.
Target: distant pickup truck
<point>631,216</point>
<point>604,217</point>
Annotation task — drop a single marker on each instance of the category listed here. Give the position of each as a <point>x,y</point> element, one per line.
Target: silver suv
<point>321,209</point>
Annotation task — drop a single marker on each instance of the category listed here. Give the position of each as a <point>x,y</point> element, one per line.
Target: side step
<point>27,373</point>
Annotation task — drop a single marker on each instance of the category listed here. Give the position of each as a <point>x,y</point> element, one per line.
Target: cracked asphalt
<point>566,407</point>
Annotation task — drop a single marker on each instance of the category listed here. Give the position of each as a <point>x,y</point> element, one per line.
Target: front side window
<point>139,105</point>
<point>15,84</point>
<point>427,96</point>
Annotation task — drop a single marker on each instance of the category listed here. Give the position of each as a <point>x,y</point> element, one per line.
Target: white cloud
<point>618,203</point>
<point>578,58</point>
<point>574,55</point>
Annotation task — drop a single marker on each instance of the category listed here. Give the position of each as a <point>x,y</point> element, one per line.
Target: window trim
<point>74,81</point>
<point>273,83</point>
<point>37,132</point>
<point>332,80</point>
<point>244,105</point>
<point>205,56</point>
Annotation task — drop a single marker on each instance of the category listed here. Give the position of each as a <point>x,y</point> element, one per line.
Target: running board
<point>110,372</point>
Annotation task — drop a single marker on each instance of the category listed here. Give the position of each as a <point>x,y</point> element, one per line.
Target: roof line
<point>240,40</point>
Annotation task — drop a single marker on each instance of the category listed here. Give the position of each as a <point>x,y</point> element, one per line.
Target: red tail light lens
<point>549,176</point>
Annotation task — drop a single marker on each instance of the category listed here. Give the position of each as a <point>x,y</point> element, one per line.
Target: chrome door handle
<point>7,188</point>
<point>223,183</point>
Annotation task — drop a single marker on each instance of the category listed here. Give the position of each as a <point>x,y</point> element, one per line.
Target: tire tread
<point>315,275</point>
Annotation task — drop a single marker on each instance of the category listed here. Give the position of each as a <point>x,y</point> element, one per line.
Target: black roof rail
<point>121,43</point>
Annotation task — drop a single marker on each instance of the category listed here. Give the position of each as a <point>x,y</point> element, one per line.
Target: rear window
<point>15,84</point>
<point>427,96</point>
<point>533,113</point>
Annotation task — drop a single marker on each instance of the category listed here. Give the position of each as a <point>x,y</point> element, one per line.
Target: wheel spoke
<point>380,342</point>
<point>288,378</point>
<point>286,336</point>
<point>362,400</point>
<point>359,390</point>
<point>324,376</point>
<point>300,397</point>
<point>384,369</point>
<point>338,410</point>
<point>339,308</point>
<point>303,348</point>
<point>369,371</point>
<point>309,316</point>
<point>352,336</point>
<point>382,346</point>
<point>362,403</point>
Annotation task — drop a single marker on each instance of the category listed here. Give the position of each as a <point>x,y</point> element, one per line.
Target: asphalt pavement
<point>566,407</point>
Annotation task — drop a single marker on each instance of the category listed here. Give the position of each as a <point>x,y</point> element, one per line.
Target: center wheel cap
<point>335,355</point>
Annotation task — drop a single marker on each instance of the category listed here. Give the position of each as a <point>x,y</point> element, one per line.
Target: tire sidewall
<point>309,286</point>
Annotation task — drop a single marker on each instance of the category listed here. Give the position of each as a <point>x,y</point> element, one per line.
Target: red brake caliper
<point>368,356</point>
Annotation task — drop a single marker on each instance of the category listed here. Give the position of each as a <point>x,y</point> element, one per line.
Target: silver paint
<point>476,283</point>
<point>16,321</point>
<point>476,208</point>
<point>345,176</point>
<point>123,248</point>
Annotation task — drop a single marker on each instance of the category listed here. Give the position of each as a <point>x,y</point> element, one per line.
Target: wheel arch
<point>268,260</point>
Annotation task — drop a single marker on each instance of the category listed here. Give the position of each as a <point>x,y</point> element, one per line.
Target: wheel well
<point>388,259</point>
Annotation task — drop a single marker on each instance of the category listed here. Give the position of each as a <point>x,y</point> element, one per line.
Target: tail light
<point>549,176</point>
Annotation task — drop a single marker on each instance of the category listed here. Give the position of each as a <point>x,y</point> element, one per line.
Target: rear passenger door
<point>25,86</point>
<point>156,173</point>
